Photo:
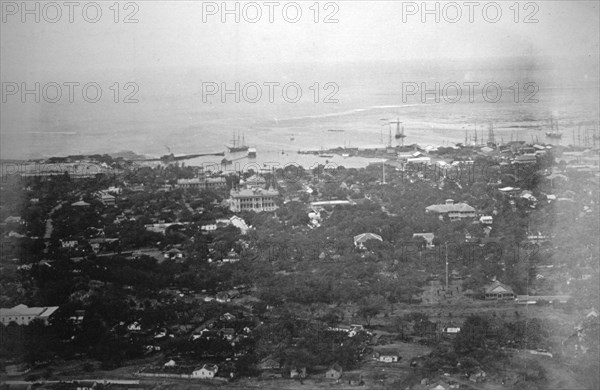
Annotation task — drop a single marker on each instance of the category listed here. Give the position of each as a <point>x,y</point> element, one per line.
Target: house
<point>203,183</point>
<point>231,257</point>
<point>354,379</point>
<point>360,239</point>
<point>12,219</point>
<point>100,243</point>
<point>419,160</point>
<point>227,317</point>
<point>254,181</point>
<point>80,203</point>
<point>452,330</point>
<point>454,211</point>
<point>388,358</point>
<point>239,223</point>
<point>253,199</point>
<point>528,195</point>
<point>106,198</point>
<point>228,334</point>
<point>498,291</point>
<point>170,363</point>
<point>510,191</point>
<point>23,315</point>
<point>298,372</point>
<point>334,372</point>
<point>477,376</point>
<point>173,253</point>
<point>269,364</point>
<point>486,219</point>
<point>223,297</point>
<point>428,237</point>
<point>207,371</point>
<point>70,242</point>
<point>209,228</point>
<point>525,159</point>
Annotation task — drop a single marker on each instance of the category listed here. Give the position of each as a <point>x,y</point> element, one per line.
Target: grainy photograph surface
<point>302,194</point>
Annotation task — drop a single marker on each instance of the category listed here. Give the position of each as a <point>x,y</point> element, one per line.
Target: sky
<point>172,35</point>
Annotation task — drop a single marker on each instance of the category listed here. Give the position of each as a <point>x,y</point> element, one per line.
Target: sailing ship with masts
<point>554,132</point>
<point>237,144</point>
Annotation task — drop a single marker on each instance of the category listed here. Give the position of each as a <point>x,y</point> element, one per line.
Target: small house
<point>334,372</point>
<point>388,358</point>
<point>207,371</point>
<point>298,372</point>
<point>269,364</point>
<point>486,219</point>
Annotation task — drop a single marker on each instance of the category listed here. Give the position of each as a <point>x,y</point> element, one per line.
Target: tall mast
<point>446,265</point>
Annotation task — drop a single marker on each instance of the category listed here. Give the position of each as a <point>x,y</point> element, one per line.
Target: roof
<point>335,367</point>
<point>24,310</point>
<point>80,203</point>
<point>497,287</point>
<point>253,192</point>
<point>210,367</point>
<point>364,237</point>
<point>525,158</point>
<point>427,236</point>
<point>256,179</point>
<point>449,208</point>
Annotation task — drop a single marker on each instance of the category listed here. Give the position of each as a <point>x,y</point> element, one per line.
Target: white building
<point>202,183</point>
<point>207,371</point>
<point>455,211</point>
<point>253,199</point>
<point>23,315</point>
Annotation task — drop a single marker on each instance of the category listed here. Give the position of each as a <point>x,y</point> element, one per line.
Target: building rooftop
<point>24,310</point>
<point>249,192</point>
<point>450,207</point>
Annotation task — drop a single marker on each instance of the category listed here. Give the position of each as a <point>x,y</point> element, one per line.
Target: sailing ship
<point>553,133</point>
<point>237,144</point>
<point>399,133</point>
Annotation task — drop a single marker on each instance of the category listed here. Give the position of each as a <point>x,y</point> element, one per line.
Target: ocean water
<point>171,114</point>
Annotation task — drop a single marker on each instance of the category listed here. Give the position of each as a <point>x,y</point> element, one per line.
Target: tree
<point>368,311</point>
<point>472,335</point>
